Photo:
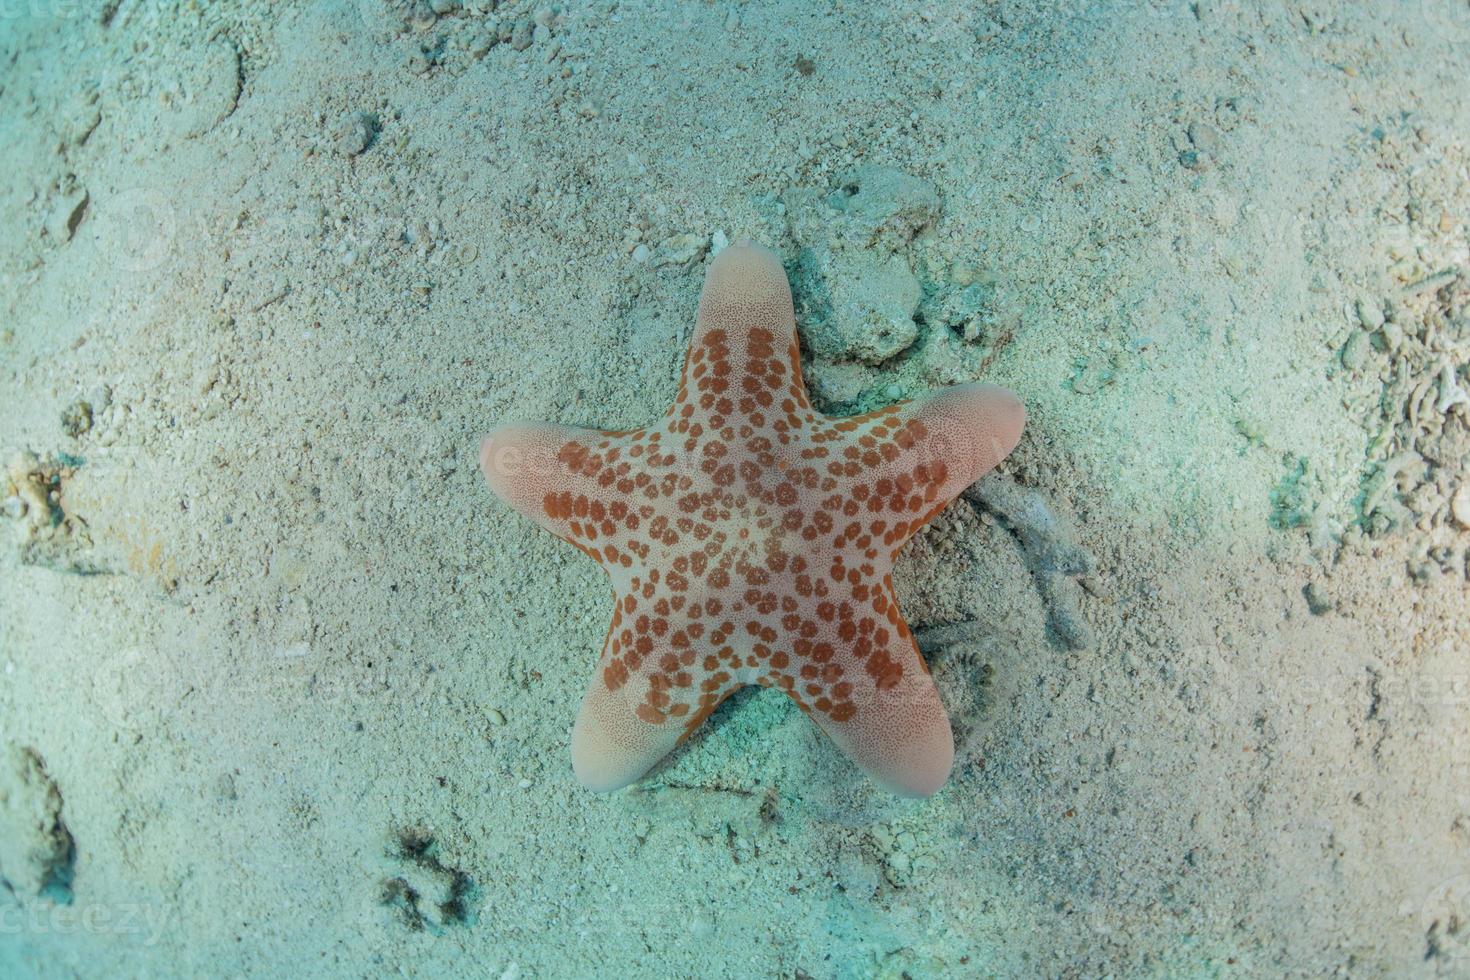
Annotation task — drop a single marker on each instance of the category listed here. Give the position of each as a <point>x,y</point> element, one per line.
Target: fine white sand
<point>285,691</point>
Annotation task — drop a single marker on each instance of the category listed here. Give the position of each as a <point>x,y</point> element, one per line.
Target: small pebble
<point>482,44</point>
<point>1460,505</point>
<point>1392,334</point>
<point>354,132</point>
<point>640,254</point>
<point>683,249</point>
<point>1318,602</point>
<point>1205,138</point>
<point>77,419</point>
<point>1370,313</point>
<point>497,717</point>
<point>1355,351</point>
<point>523,34</point>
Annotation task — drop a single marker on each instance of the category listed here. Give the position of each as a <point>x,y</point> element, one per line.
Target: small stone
<point>82,126</point>
<point>497,717</point>
<point>640,254</point>
<point>482,44</point>
<point>523,34</point>
<point>442,7</point>
<point>77,419</point>
<point>881,203</point>
<point>355,132</point>
<point>1392,334</point>
<point>1318,601</point>
<point>684,250</point>
<point>1205,138</point>
<point>1355,351</point>
<point>219,91</point>
<point>421,17</point>
<point>860,304</point>
<point>1370,313</point>
<point>963,309</point>
<point>1460,505</point>
<point>1250,427</point>
<point>1451,393</point>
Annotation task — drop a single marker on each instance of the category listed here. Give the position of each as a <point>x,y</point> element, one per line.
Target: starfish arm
<point>743,358</point>
<point>875,699</point>
<point>908,461</point>
<point>649,693</point>
<point>967,428</point>
<point>542,470</point>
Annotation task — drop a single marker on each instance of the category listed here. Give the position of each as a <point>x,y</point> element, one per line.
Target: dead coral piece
<point>76,420</point>
<point>681,250</point>
<point>858,304</point>
<point>1413,467</point>
<point>882,205</point>
<point>858,301</point>
<point>1054,559</point>
<point>48,536</point>
<point>37,852</point>
<point>874,317</point>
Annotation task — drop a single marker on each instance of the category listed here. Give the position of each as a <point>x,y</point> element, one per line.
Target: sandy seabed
<point>284,690</point>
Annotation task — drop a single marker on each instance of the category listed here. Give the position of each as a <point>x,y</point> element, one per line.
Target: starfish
<point>750,539</point>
